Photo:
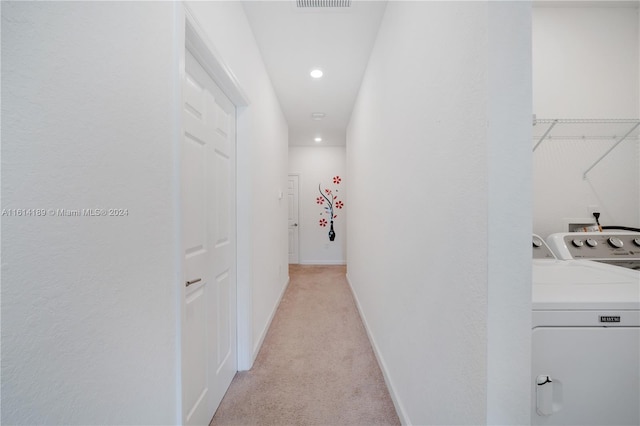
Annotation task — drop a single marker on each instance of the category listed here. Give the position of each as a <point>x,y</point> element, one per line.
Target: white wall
<point>318,165</point>
<point>89,304</point>
<point>439,256</point>
<point>586,65</point>
<point>90,111</point>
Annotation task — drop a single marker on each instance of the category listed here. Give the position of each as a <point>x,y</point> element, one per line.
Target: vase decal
<point>328,200</point>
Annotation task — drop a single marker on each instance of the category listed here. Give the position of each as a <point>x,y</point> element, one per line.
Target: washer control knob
<point>615,242</point>
<point>591,242</point>
<point>537,243</point>
<point>577,243</point>
<point>636,241</point>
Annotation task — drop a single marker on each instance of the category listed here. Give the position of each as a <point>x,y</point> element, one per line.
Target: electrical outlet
<point>593,208</point>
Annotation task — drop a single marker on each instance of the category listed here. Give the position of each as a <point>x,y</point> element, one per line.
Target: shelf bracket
<point>584,175</point>
<point>545,134</point>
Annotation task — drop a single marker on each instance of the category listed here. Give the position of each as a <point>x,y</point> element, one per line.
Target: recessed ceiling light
<point>316,73</point>
<point>318,115</point>
<point>318,139</point>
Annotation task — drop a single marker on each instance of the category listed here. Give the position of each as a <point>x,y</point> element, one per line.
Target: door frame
<point>190,35</point>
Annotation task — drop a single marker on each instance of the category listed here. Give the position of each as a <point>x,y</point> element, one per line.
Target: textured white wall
<point>89,304</point>
<point>262,166</point>
<point>433,168</point>
<point>586,65</point>
<point>89,111</point>
<point>317,165</point>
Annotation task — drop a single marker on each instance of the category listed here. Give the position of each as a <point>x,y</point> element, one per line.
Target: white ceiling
<point>295,40</point>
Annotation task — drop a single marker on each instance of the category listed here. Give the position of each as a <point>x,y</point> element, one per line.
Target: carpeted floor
<point>316,366</point>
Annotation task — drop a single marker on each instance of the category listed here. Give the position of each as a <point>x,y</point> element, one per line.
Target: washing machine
<point>611,247</point>
<point>585,342</point>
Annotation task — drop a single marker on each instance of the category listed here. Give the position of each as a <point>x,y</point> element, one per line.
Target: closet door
<point>209,360</point>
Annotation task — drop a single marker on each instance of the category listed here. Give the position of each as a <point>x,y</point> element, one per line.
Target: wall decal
<point>331,198</point>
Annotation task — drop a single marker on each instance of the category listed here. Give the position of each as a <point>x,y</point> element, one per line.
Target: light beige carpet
<point>316,366</point>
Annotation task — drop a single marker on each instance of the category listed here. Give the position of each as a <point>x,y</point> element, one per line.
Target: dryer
<point>585,342</point>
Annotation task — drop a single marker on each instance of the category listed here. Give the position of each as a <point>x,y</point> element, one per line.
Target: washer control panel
<point>621,248</point>
<point>541,250</point>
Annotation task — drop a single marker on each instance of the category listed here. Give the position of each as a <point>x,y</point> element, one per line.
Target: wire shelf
<point>617,130</point>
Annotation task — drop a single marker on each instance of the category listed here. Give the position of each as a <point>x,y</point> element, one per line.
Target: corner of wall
<point>400,410</point>
<point>263,333</point>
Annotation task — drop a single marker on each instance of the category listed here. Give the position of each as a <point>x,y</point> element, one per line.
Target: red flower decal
<point>319,200</point>
<point>323,222</point>
<point>327,191</point>
<point>336,180</point>
<point>339,204</point>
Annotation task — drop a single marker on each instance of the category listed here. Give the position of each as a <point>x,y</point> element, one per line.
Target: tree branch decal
<point>331,202</point>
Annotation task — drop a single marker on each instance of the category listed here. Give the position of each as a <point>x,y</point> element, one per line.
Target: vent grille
<point>323,3</point>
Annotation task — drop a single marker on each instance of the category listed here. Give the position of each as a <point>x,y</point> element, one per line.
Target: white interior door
<point>209,346</point>
<point>294,228</point>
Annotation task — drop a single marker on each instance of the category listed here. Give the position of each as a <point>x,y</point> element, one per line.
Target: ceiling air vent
<point>323,3</point>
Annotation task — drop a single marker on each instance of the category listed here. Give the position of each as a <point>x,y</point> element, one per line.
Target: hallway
<point>316,365</point>
<point>436,183</point>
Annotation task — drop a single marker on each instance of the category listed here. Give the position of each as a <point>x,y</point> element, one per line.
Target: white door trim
<point>190,34</point>
<point>297,175</point>
<point>197,42</point>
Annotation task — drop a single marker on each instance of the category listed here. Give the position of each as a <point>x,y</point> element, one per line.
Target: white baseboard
<point>404,419</point>
<point>323,262</point>
<point>263,333</point>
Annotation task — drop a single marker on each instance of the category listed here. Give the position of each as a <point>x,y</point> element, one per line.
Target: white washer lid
<point>582,285</point>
